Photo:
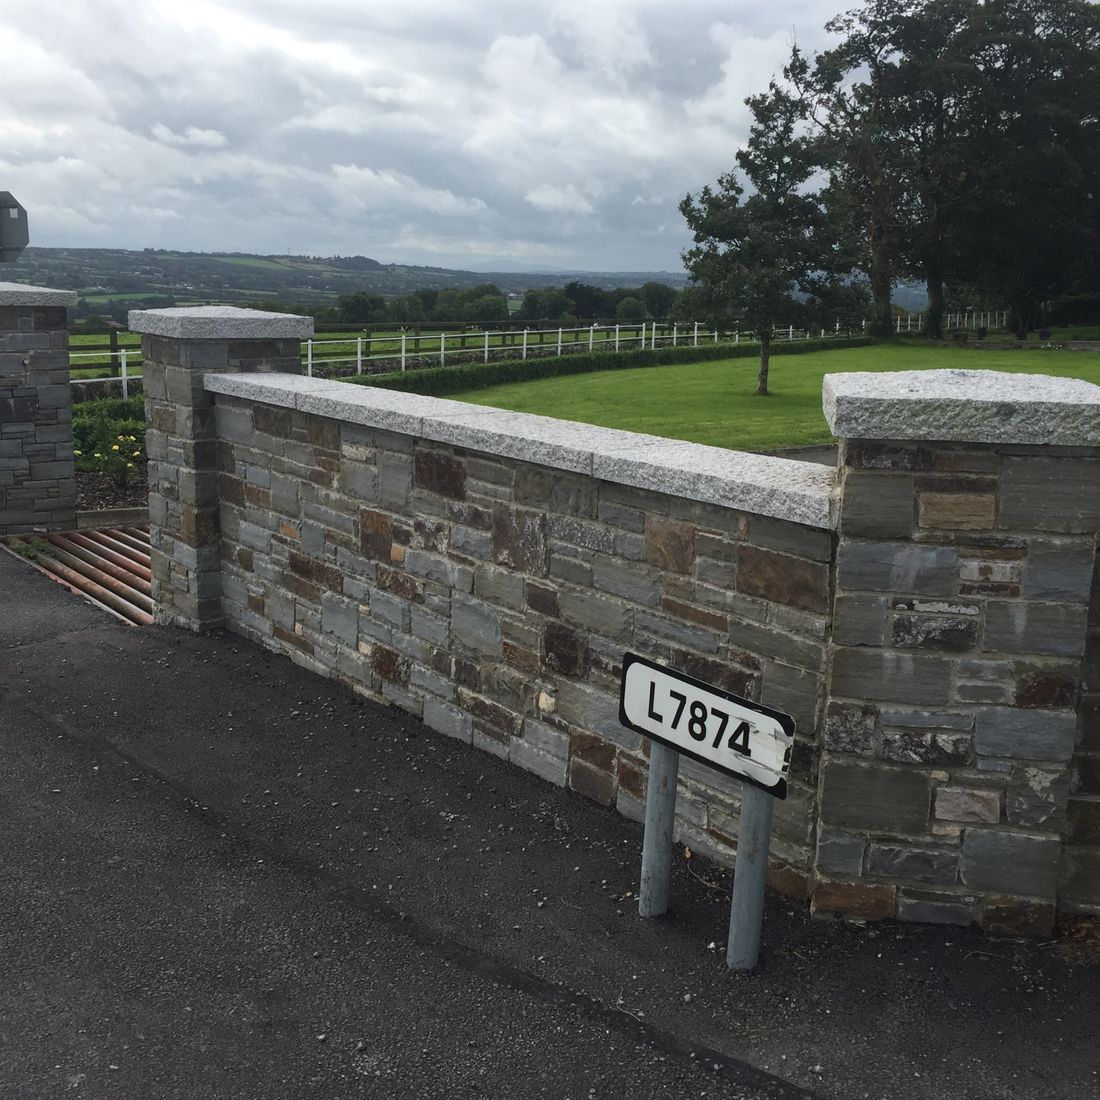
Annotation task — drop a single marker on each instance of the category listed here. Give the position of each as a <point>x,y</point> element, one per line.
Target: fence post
<point>616,337</point>
<point>402,351</point>
<point>442,349</point>
<point>125,378</point>
<point>695,335</point>
<point>559,342</point>
<point>674,336</point>
<point>525,343</point>
<point>790,333</point>
<point>591,337</point>
<point>653,337</point>
<point>309,358</point>
<point>736,337</point>
<point>359,355</point>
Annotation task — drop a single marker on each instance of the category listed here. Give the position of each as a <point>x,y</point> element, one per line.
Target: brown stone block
<point>261,498</point>
<point>199,526</point>
<point>596,785</point>
<point>783,579</point>
<point>244,559</point>
<point>389,664</point>
<point>520,658</point>
<point>324,433</point>
<point>375,534</point>
<point>855,899</point>
<point>789,881</point>
<point>565,650</point>
<point>1004,915</point>
<point>632,778</point>
<point>272,421</point>
<point>669,544</point>
<point>519,540</point>
<point>956,511</point>
<point>440,473</point>
<point>710,619</point>
<point>593,750</point>
<point>719,673</point>
<point>543,599</point>
<point>490,714</point>
<point>1039,686</point>
<point>293,639</point>
<point>256,604</point>
<point>400,584</point>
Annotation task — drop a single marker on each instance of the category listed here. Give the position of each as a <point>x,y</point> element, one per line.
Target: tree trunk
<point>765,355</point>
<point>881,280</point>
<point>934,282</point>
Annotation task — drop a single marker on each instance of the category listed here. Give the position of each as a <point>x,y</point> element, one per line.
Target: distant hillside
<point>111,280</point>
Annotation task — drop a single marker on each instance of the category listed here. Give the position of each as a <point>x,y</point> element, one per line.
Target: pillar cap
<point>971,406</point>
<point>20,294</point>
<point>219,323</point>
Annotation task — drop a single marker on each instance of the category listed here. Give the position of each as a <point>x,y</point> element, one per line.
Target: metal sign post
<point>684,716</point>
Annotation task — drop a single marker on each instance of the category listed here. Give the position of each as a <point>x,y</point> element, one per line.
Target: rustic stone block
<point>850,728</point>
<point>712,620</point>
<point>597,785</point>
<point>783,579</point>
<point>1050,494</point>
<point>908,746</point>
<point>519,540</point>
<point>891,677</point>
<point>968,804</point>
<point>937,907</point>
<point>1080,875</point>
<point>957,511</point>
<point>565,650</point>
<point>638,583</point>
<point>1045,685</point>
<point>876,797</point>
<point>669,545</point>
<point>946,633</point>
<point>932,865</point>
<point>1059,569</point>
<point>375,534</point>
<point>475,625</point>
<point>1011,916</point>
<point>855,899</point>
<point>1037,797</point>
<point>840,853</point>
<point>543,599</point>
<point>439,472</point>
<point>859,620</point>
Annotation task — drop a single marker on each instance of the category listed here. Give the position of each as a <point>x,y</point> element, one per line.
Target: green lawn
<point>714,402</point>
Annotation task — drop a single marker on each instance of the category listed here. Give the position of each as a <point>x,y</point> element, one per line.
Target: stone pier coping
<point>972,406</point>
<point>219,323</point>
<point>781,488</point>
<point>20,294</point>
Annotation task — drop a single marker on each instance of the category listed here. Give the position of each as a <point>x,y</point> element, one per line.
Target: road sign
<point>14,235</point>
<point>715,727</point>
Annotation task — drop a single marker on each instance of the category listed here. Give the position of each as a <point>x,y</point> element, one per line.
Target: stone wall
<point>37,476</point>
<point>923,611</point>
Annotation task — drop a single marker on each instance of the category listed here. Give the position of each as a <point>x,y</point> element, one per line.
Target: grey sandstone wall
<point>927,612</point>
<point>37,476</point>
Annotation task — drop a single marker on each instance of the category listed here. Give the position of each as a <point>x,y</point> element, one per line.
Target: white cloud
<point>561,132</point>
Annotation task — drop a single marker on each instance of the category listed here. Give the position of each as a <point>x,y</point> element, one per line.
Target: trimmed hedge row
<point>435,381</point>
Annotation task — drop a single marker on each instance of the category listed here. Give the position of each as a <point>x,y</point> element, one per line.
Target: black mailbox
<point>14,235</point>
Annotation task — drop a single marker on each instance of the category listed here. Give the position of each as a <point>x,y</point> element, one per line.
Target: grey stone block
<point>1025,734</point>
<point>840,853</point>
<point>233,425</point>
<point>340,617</point>
<point>875,797</point>
<point>932,865</point>
<point>387,608</point>
<point>1080,875</point>
<point>425,679</point>
<point>890,677</point>
<point>592,536</point>
<point>471,543</point>
<point>860,620</point>
<point>595,711</point>
<point>1050,494</point>
<point>609,617</point>
<point>545,738</point>
<point>897,568</point>
<point>877,504</point>
<point>1015,626</point>
<point>475,625</point>
<point>681,633</point>
<point>552,768</point>
<point>447,719</point>
<point>1013,863</point>
<point>1059,569</point>
<point>630,580</point>
<point>766,641</point>
<point>931,908</point>
<point>499,586</point>
<point>432,567</point>
<point>429,626</point>
<point>1037,797</point>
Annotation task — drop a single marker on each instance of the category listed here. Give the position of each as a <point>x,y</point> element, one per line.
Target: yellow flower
<point>129,465</point>
<point>114,446</point>
<point>135,454</point>
<point>97,455</point>
<point>132,438</point>
<point>75,452</point>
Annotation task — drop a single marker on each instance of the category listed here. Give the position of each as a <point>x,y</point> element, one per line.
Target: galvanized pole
<point>402,351</point>
<point>125,377</point>
<point>747,907</point>
<point>616,337</point>
<point>660,815</point>
<point>359,355</point>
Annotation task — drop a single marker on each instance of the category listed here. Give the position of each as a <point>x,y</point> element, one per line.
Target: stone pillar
<point>969,512</point>
<point>37,478</point>
<point>179,346</point>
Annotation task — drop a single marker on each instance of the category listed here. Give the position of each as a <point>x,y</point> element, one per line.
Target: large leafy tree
<point>755,249</point>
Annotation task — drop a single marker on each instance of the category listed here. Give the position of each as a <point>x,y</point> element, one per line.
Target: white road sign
<point>715,727</point>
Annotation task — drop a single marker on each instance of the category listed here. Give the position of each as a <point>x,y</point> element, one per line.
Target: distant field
<point>714,403</point>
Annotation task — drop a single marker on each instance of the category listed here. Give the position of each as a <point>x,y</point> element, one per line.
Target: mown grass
<point>714,402</point>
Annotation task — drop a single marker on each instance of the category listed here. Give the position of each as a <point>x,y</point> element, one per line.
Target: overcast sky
<point>533,134</point>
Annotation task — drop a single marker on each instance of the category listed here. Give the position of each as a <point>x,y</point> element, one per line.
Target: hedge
<point>435,381</point>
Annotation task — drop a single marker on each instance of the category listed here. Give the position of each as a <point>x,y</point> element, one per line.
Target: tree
<point>658,298</point>
<point>361,307</point>
<point>630,309</point>
<point>588,301</point>
<point>751,253</point>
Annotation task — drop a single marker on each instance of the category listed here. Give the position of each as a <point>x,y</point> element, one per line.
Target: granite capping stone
<point>22,294</point>
<point>785,489</point>
<point>219,323</point>
<point>972,406</point>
